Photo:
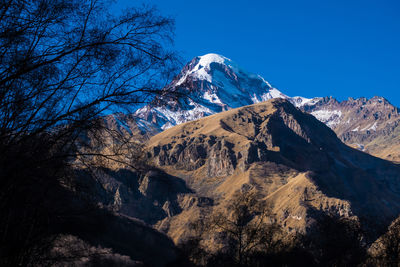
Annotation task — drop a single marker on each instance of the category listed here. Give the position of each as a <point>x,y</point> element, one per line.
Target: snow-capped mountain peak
<point>212,83</point>
<point>202,67</point>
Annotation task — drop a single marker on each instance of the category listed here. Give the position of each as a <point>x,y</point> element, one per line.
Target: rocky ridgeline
<point>371,125</point>
<point>254,134</point>
<point>294,159</point>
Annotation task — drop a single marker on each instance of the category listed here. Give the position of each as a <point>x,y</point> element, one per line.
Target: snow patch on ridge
<point>273,93</point>
<point>300,101</point>
<point>177,117</point>
<point>330,117</point>
<point>212,98</point>
<point>261,78</point>
<point>373,127</point>
<point>370,127</point>
<point>360,147</point>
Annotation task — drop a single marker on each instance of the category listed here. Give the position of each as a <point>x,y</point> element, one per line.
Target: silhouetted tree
<point>245,234</point>
<point>249,227</point>
<point>336,241</point>
<point>64,64</point>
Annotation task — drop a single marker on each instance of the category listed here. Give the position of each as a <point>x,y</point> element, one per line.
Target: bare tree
<point>249,228</point>
<point>336,241</point>
<point>240,234</point>
<point>64,64</point>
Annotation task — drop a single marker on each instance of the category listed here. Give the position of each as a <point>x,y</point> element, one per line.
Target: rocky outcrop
<point>221,160</point>
<point>194,153</point>
<point>151,196</point>
<point>250,136</point>
<point>286,155</point>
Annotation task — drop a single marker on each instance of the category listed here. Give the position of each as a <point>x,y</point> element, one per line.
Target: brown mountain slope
<point>286,155</point>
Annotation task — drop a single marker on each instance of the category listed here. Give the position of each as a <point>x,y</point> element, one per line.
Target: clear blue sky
<point>310,48</point>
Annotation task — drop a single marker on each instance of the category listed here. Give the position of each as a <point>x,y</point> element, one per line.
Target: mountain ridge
<point>212,83</point>
<point>370,125</point>
<point>287,156</point>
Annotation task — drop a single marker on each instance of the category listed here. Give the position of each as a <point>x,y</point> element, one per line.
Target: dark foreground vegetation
<point>248,236</point>
<point>64,64</point>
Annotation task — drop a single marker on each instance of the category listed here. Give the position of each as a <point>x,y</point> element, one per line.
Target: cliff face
<point>286,155</point>
<point>237,138</point>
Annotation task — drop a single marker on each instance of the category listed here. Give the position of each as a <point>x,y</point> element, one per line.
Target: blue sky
<point>309,48</point>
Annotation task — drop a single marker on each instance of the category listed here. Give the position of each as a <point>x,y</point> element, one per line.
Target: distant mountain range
<point>370,125</point>
<point>213,83</point>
